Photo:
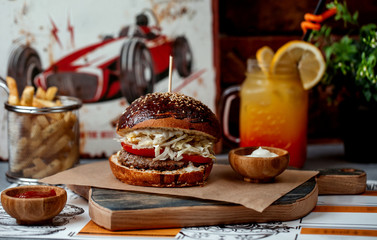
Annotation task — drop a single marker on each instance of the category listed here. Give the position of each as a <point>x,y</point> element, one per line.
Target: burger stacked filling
<point>163,149</point>
<point>170,144</point>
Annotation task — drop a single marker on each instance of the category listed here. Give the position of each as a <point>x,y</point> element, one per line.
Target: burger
<point>167,140</point>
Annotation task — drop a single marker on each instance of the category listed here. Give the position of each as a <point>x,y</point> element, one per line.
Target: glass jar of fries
<point>43,136</point>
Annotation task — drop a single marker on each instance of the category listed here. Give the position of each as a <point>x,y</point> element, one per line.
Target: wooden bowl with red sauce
<point>35,204</point>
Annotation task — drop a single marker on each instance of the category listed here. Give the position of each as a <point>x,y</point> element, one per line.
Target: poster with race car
<point>107,53</point>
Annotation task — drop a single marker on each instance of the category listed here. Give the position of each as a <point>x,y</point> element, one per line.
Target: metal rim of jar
<point>76,104</point>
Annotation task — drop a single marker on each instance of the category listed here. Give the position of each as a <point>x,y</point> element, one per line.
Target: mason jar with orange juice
<point>274,98</point>
<point>273,112</point>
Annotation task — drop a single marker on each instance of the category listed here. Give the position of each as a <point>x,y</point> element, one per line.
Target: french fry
<point>50,93</point>
<point>38,166</point>
<point>38,162</point>
<point>55,116</point>
<point>36,143</point>
<point>27,96</point>
<point>35,131</point>
<point>58,102</point>
<point>46,140</point>
<point>59,145</point>
<point>41,93</point>
<point>13,98</point>
<point>71,159</point>
<point>30,171</point>
<point>51,168</point>
<point>40,151</point>
<point>52,140</point>
<point>52,128</point>
<point>41,103</point>
<point>42,121</point>
<point>70,119</point>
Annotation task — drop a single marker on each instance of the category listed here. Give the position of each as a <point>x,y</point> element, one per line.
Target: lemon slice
<point>302,57</point>
<point>264,57</point>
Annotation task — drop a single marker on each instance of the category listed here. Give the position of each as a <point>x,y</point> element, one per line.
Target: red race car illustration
<point>127,65</point>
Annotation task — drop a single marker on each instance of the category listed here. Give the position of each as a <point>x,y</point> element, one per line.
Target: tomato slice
<point>145,152</point>
<point>149,152</point>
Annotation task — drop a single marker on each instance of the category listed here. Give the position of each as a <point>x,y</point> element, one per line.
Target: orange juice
<point>273,112</point>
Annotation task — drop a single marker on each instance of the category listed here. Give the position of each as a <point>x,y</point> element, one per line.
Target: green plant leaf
<point>351,61</point>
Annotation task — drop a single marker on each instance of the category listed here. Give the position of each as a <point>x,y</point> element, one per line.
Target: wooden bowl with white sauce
<point>259,164</point>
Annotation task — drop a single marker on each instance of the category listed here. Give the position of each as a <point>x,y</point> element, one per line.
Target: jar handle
<point>3,85</point>
<point>227,97</point>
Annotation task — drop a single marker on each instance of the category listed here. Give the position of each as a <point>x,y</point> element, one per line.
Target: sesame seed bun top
<point>169,110</point>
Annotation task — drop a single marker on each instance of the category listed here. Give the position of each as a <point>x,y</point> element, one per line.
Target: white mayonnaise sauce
<point>260,152</point>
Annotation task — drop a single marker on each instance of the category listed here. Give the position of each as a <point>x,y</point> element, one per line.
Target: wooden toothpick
<point>170,72</point>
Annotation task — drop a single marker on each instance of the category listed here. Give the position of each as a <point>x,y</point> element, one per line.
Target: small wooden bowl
<point>258,169</point>
<point>33,211</point>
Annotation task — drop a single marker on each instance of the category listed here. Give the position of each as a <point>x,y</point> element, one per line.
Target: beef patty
<point>139,162</point>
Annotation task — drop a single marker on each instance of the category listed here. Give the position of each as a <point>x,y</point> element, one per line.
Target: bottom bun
<point>185,177</point>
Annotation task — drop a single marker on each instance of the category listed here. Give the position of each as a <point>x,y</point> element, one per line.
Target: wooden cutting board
<point>125,210</point>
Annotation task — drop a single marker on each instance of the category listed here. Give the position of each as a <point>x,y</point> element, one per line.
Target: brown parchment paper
<point>223,184</point>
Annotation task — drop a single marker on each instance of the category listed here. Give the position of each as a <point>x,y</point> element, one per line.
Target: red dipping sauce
<point>36,194</point>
